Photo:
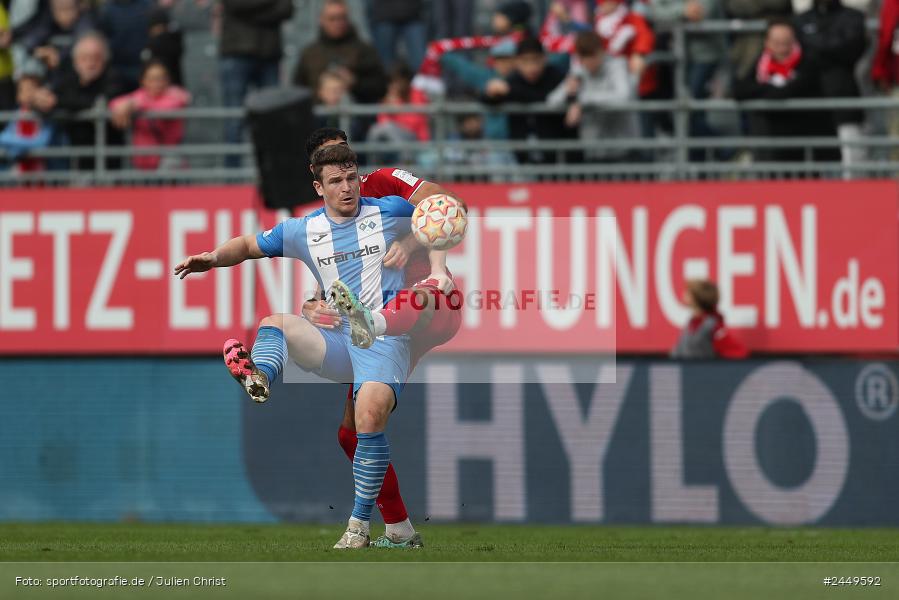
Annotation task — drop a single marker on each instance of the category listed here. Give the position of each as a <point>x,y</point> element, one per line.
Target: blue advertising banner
<point>779,442</point>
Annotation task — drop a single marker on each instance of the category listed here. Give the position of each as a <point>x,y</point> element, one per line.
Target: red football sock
<point>402,312</point>
<point>390,503</point>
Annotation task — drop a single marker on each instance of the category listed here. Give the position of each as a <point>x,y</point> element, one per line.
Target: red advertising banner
<point>802,266</point>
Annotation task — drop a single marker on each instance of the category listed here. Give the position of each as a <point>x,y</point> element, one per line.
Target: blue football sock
<point>270,351</point>
<point>369,466</point>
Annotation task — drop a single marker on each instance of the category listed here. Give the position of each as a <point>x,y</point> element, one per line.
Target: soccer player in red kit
<point>428,327</point>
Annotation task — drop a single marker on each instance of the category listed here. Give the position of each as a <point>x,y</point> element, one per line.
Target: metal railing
<point>675,156</point>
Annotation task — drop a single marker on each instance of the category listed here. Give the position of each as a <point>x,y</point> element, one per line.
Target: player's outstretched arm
<point>428,189</point>
<point>233,252</point>
<point>438,271</point>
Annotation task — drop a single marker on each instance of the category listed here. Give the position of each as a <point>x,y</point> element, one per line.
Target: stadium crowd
<point>58,57</point>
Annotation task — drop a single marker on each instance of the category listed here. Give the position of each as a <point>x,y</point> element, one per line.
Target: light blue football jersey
<point>352,251</point>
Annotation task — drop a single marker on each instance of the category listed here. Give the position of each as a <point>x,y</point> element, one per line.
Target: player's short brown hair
<point>587,43</point>
<point>336,154</point>
<point>704,293</point>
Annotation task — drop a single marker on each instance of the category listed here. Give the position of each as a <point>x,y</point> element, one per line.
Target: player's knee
<point>273,321</point>
<point>369,420</point>
<point>372,417</point>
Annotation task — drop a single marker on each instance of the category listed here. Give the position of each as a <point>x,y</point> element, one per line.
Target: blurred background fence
<point>676,152</point>
<point>654,159</point>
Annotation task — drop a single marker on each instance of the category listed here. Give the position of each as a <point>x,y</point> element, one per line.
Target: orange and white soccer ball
<point>439,222</point>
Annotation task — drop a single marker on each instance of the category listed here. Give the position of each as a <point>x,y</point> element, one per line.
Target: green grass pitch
<point>459,561</point>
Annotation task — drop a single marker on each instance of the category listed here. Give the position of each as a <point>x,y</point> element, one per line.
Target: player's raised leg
<point>279,337</point>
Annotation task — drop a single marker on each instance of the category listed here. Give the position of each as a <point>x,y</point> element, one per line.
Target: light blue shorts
<point>386,361</point>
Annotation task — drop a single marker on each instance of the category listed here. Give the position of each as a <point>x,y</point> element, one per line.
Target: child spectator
<point>27,132</point>
<point>401,127</point>
<point>706,335</point>
<point>596,79</point>
<point>333,90</point>
<point>156,93</point>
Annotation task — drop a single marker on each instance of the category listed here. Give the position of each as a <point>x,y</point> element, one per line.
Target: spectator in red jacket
<point>625,33</point>
<point>706,335</point>
<point>885,67</point>
<point>400,127</point>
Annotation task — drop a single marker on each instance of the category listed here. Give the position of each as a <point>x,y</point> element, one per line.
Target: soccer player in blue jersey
<point>346,240</point>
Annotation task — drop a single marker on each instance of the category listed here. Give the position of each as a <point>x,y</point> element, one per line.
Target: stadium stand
<point>691,126</point>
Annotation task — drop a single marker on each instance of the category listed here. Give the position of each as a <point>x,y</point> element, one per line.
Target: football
<point>439,222</point>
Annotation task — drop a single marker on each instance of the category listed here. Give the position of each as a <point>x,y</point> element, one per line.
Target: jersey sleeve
<point>287,238</point>
<point>397,206</point>
<point>271,242</point>
<point>390,182</point>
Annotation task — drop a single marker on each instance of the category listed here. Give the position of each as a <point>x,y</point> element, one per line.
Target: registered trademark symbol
<point>877,392</point>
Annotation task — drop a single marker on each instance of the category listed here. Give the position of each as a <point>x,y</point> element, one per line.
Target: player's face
<point>339,188</point>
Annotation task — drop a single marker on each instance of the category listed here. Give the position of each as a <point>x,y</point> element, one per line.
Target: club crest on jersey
<point>339,257</point>
<point>367,224</point>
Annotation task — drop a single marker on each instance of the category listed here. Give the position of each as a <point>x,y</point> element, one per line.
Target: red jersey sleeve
<point>390,182</point>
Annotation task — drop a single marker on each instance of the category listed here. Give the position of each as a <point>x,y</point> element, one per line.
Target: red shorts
<point>443,327</point>
<point>442,323</point>
<point>447,316</point>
